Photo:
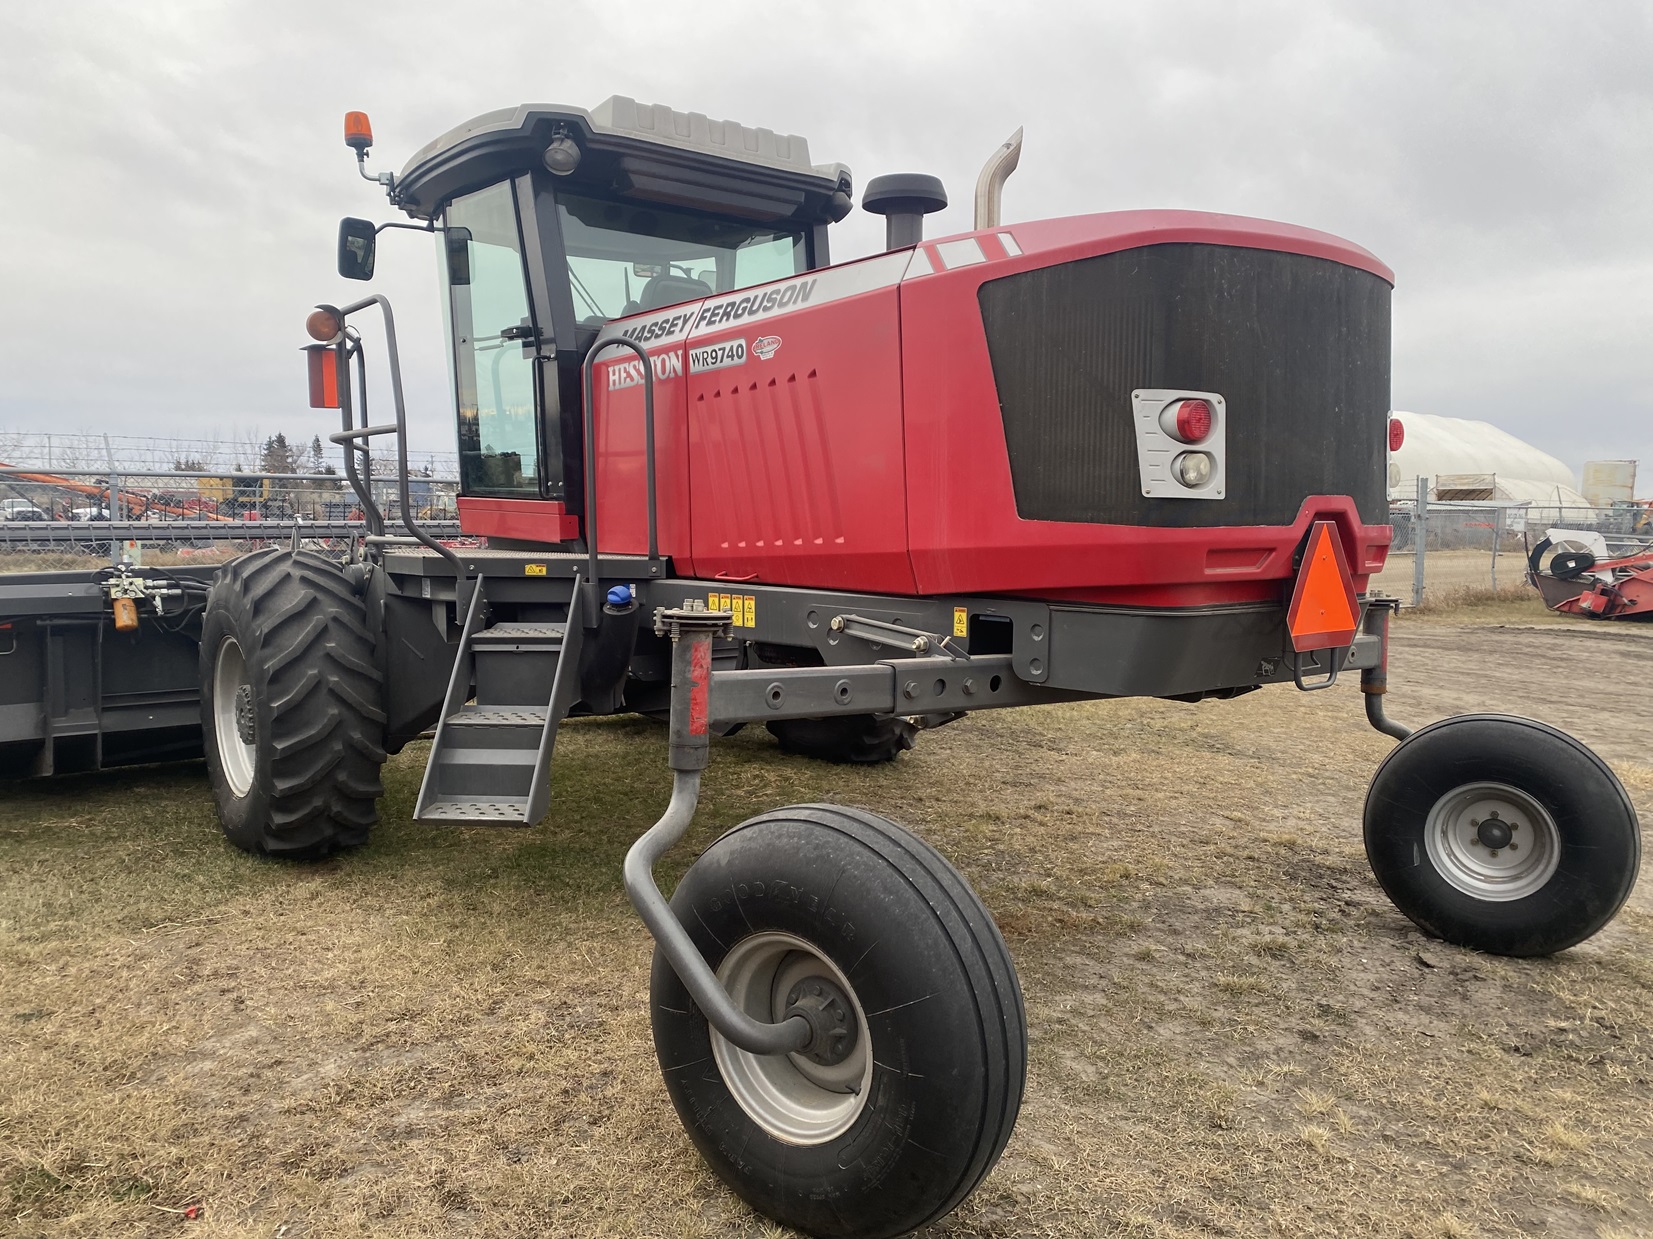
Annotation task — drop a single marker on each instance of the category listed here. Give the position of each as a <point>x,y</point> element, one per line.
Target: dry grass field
<point>1452,572</point>
<point>1232,1032</point>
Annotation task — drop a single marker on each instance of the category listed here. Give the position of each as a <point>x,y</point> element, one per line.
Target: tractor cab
<point>554,221</point>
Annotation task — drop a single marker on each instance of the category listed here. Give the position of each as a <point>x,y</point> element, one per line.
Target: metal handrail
<point>590,420</point>
<point>351,346</point>
<point>393,360</point>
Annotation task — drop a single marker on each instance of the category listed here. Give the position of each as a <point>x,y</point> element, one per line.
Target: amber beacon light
<point>358,131</point>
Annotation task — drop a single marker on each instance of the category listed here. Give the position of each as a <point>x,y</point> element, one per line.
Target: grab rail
<point>590,424</point>
<point>349,436</point>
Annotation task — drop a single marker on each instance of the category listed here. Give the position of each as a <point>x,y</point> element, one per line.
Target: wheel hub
<point>809,1096</point>
<point>832,1027</point>
<point>1492,841</point>
<point>1493,833</point>
<point>245,727</point>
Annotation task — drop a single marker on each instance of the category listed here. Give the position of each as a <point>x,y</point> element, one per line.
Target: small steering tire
<point>1501,834</point>
<point>905,1100</point>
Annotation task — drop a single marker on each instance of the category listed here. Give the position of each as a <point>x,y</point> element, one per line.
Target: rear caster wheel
<point>906,1099</point>
<point>851,739</point>
<point>1501,834</point>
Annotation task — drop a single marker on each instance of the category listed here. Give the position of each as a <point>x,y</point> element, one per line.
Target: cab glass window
<point>624,258</point>
<point>492,337</point>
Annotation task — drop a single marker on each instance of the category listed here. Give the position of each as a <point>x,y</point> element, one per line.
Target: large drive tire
<point>851,739</point>
<point>292,706</point>
<point>926,1090</point>
<point>1502,834</point>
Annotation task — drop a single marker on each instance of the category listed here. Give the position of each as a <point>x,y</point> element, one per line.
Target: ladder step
<point>494,727</point>
<point>490,761</point>
<point>500,811</point>
<point>499,716</point>
<point>520,636</point>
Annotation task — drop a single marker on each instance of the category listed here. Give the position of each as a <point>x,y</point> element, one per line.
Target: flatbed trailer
<point>76,693</point>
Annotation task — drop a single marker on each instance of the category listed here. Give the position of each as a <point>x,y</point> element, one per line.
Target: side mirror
<point>358,238</point>
<point>457,242</point>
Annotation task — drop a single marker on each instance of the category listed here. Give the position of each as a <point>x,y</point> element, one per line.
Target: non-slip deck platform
<point>422,561</point>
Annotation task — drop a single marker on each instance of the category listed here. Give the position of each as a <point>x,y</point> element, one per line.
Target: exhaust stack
<point>990,184</point>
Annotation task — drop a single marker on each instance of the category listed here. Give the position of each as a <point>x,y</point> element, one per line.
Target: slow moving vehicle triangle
<point>1324,612</point>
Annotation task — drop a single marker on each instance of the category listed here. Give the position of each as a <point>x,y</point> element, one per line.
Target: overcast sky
<point>171,174</point>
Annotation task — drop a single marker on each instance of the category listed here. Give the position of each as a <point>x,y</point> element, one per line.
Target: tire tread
<point>313,663</point>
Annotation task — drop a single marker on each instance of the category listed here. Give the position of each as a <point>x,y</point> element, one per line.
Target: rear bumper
<point>1127,565</point>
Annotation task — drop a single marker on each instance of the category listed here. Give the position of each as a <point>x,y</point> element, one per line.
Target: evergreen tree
<point>278,456</point>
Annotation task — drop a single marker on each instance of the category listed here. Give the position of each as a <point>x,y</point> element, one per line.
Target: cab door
<point>494,337</point>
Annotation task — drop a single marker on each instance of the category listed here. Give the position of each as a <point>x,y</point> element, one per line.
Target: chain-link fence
<point>81,518</point>
<point>246,452</point>
<point>1472,547</point>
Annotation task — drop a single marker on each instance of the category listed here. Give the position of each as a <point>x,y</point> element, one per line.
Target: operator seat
<point>664,290</point>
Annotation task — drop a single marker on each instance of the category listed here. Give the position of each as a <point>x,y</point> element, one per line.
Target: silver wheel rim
<point>790,1097</point>
<point>1466,824</point>
<point>231,689</point>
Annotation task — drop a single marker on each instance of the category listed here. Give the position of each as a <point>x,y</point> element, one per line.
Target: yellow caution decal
<point>742,608</point>
<point>533,569</point>
<point>961,622</point>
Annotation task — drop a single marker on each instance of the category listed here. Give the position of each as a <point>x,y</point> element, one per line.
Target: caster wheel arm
<point>692,634</point>
<point>794,1033</point>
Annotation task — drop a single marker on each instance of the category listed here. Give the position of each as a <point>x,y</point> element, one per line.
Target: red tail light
<point>1397,434</point>
<point>1187,421</point>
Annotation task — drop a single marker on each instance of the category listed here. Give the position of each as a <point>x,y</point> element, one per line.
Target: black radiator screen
<point>1297,346</point>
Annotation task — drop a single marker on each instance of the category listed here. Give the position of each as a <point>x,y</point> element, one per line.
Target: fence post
<point>1497,536</point>
<point>1420,535</point>
<point>114,512</point>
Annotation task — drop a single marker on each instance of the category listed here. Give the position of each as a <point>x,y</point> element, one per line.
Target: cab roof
<point>633,150</point>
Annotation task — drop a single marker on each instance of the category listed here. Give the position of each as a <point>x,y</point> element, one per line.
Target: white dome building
<point>1475,460</point>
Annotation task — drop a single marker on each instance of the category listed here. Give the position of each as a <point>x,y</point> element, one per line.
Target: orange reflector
<point>358,132</point>
<point>1324,612</point>
<point>324,376</point>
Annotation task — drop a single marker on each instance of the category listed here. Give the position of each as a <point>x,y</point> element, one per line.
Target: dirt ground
<point>1232,1032</point>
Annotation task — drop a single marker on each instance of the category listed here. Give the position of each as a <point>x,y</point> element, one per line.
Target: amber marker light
<point>358,131</point>
<point>323,325</point>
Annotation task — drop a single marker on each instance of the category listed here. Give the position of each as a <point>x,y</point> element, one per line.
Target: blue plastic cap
<point>619,595</point>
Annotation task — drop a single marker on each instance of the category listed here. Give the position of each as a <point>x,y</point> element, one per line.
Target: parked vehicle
<point>724,480</point>
<point>20,510</point>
